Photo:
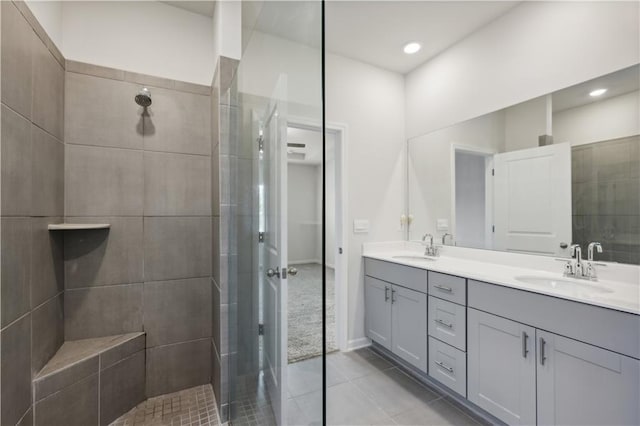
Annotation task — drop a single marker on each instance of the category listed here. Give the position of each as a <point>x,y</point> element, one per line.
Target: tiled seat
<point>91,380</point>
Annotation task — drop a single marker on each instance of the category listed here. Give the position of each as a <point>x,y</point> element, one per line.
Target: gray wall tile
<point>27,419</point>
<point>15,165</point>
<point>76,405</point>
<point>15,234</point>
<point>47,267</point>
<point>94,70</point>
<point>179,366</point>
<point>17,44</point>
<point>47,174</point>
<point>178,122</point>
<point>177,311</point>
<point>102,112</point>
<point>47,332</point>
<point>122,387</point>
<point>177,247</point>
<point>102,311</point>
<point>124,350</point>
<point>48,91</point>
<point>176,184</point>
<point>15,371</point>
<point>103,181</point>
<point>51,383</point>
<point>104,257</point>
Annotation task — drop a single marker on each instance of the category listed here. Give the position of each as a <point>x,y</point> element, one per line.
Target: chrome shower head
<point>143,98</point>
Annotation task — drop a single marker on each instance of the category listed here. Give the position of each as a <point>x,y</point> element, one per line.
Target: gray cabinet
<point>448,322</point>
<point>501,367</point>
<point>448,365</point>
<point>377,301</point>
<point>409,326</point>
<point>581,384</point>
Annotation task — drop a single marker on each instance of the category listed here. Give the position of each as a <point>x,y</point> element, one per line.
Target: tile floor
<point>190,407</point>
<point>363,389</point>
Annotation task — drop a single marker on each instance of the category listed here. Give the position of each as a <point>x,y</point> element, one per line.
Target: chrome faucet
<point>430,249</point>
<point>576,268</point>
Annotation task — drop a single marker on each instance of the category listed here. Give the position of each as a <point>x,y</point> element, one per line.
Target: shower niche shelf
<point>77,226</point>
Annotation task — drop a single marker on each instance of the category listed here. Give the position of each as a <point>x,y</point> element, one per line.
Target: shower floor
<point>190,407</point>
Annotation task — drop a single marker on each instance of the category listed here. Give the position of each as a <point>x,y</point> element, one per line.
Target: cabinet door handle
<point>445,366</point>
<point>525,337</point>
<point>443,288</point>
<point>543,358</point>
<point>446,324</point>
<point>386,293</point>
<point>393,296</point>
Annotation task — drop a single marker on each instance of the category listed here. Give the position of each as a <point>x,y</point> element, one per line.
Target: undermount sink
<point>413,258</point>
<point>566,285</point>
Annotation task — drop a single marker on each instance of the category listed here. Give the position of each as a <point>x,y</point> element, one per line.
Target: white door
<point>273,182</point>
<point>501,367</point>
<point>580,384</point>
<point>532,208</point>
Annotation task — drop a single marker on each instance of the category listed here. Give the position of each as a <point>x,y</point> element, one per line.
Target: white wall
<point>612,118</point>
<point>330,199</point>
<point>303,213</point>
<point>534,49</point>
<point>49,15</point>
<point>370,101</point>
<point>523,123</point>
<point>227,29</point>
<point>141,36</point>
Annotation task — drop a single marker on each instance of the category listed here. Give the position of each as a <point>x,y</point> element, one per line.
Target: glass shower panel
<point>276,309</point>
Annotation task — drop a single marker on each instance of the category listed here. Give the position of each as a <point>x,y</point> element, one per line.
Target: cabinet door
<point>409,326</point>
<point>377,301</point>
<point>580,384</point>
<point>501,367</point>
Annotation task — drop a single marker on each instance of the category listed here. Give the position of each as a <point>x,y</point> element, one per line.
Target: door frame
<point>488,197</point>
<point>341,267</point>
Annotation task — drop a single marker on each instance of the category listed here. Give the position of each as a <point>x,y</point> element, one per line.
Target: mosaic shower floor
<point>190,407</point>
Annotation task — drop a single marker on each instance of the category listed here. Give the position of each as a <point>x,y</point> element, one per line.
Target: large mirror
<point>536,177</point>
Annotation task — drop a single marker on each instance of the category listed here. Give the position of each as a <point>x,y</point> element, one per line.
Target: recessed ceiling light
<point>411,48</point>
<point>598,92</point>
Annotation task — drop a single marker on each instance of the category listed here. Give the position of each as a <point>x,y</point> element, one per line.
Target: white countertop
<point>623,296</point>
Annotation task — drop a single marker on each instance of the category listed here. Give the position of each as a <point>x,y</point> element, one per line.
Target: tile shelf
<point>77,226</point>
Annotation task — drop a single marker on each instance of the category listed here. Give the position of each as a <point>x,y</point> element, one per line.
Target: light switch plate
<point>442,224</point>
<point>360,226</point>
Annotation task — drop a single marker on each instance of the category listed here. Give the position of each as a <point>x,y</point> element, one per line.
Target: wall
<point>303,213</point>
<point>534,49</point>
<point>607,119</point>
<point>49,15</point>
<point>32,188</point>
<point>523,123</point>
<point>147,173</point>
<point>148,37</point>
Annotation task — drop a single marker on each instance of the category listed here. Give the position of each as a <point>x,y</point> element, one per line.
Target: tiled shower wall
<point>32,187</point>
<point>606,197</point>
<point>148,174</point>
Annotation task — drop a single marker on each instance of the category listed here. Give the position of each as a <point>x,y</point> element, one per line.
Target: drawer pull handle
<point>445,366</point>
<point>543,357</point>
<point>443,288</point>
<point>386,293</point>
<point>446,324</point>
<point>393,296</point>
<point>525,350</point>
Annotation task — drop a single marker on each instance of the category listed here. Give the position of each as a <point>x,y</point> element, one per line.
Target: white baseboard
<point>354,344</point>
<point>303,261</point>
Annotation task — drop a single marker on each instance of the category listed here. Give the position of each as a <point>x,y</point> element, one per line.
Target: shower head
<point>143,98</point>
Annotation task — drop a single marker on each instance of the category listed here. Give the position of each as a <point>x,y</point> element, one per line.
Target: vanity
<point>519,342</point>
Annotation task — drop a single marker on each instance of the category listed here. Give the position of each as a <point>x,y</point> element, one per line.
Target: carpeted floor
<point>305,312</point>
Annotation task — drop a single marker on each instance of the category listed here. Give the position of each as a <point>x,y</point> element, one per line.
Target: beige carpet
<point>305,312</point>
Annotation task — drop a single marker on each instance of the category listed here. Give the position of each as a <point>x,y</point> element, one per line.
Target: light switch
<point>360,226</point>
<point>442,224</point>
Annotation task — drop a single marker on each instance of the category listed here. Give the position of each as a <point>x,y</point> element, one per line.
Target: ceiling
<point>617,83</point>
<point>200,7</point>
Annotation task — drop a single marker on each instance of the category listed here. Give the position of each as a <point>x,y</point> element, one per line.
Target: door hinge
<point>493,172</point>
<point>260,329</point>
<point>261,237</point>
<point>261,143</point>
<point>339,250</point>
<point>493,228</point>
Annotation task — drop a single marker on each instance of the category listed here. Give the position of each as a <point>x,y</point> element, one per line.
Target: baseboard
<point>354,344</point>
<point>303,261</point>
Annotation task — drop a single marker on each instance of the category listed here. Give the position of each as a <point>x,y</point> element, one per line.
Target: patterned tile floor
<point>190,407</point>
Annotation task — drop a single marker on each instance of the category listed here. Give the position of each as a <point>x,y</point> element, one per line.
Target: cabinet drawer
<point>448,365</point>
<point>405,276</point>
<point>453,289</point>
<point>448,322</point>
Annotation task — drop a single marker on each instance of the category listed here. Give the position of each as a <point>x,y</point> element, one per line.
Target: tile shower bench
<point>91,381</point>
